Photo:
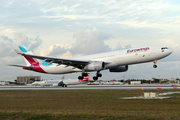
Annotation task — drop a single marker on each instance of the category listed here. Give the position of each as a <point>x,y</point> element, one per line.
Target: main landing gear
<point>155,66</point>
<point>83,75</point>
<point>98,74</point>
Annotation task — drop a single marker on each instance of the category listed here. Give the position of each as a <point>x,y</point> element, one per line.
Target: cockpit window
<point>164,48</point>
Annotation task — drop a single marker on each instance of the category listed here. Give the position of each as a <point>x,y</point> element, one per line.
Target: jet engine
<point>123,68</point>
<point>95,66</point>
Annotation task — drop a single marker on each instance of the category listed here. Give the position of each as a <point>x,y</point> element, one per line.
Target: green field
<point>93,104</point>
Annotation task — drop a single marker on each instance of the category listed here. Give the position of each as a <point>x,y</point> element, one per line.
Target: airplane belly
<point>62,69</point>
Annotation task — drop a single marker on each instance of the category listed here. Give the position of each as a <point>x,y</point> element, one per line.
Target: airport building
<point>135,82</point>
<point>27,79</point>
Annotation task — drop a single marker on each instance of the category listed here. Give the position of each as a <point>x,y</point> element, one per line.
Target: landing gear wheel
<point>99,75</point>
<point>85,74</point>
<point>155,66</point>
<point>95,78</point>
<point>81,77</point>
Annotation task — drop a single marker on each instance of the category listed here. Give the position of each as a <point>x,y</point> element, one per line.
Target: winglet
<point>18,52</point>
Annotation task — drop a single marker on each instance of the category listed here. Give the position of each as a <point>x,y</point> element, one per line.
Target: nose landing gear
<point>155,66</point>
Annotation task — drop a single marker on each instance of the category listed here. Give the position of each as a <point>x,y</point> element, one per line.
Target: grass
<point>94,104</point>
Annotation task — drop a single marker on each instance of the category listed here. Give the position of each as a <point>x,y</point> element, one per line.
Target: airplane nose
<point>170,51</point>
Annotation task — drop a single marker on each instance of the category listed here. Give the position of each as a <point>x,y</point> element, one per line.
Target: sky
<point>72,28</point>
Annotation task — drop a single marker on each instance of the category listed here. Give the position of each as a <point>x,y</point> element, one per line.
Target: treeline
<point>143,81</point>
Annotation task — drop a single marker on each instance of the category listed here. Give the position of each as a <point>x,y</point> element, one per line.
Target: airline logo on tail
<point>63,77</point>
<point>31,61</point>
<point>85,79</point>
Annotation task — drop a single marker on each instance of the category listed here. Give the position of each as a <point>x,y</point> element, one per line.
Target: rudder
<point>28,60</point>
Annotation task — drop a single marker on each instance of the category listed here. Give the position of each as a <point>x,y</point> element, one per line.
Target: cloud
<point>119,47</point>
<point>88,41</point>
<point>31,43</point>
<point>20,39</point>
<point>37,43</point>
<point>5,38</point>
<point>7,44</point>
<point>45,52</point>
<point>59,49</point>
<point>4,50</point>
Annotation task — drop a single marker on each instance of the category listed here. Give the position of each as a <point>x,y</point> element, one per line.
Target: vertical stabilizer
<point>63,77</point>
<point>29,60</point>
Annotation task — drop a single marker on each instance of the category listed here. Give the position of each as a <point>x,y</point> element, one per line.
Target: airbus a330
<point>114,61</point>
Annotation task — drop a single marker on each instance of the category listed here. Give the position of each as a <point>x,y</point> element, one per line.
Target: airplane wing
<point>69,62</point>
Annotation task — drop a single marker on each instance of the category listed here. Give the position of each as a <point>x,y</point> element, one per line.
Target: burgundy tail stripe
<point>31,60</point>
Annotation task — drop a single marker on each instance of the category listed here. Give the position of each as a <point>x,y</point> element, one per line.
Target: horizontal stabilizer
<point>24,66</point>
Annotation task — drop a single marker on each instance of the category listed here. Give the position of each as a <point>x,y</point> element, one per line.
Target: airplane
<point>47,82</point>
<point>63,82</point>
<point>102,83</point>
<point>36,83</point>
<point>114,61</point>
<point>117,83</point>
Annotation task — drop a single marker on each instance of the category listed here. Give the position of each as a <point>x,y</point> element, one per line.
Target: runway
<point>88,87</point>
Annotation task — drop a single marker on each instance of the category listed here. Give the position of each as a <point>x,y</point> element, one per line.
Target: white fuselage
<point>47,82</point>
<point>65,81</point>
<point>115,58</point>
<point>74,82</point>
<point>110,83</point>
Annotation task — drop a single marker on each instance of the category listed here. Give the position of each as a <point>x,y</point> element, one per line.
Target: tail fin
<point>63,77</point>
<point>29,60</point>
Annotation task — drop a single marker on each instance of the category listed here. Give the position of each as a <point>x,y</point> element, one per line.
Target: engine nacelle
<point>95,66</point>
<point>123,68</point>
